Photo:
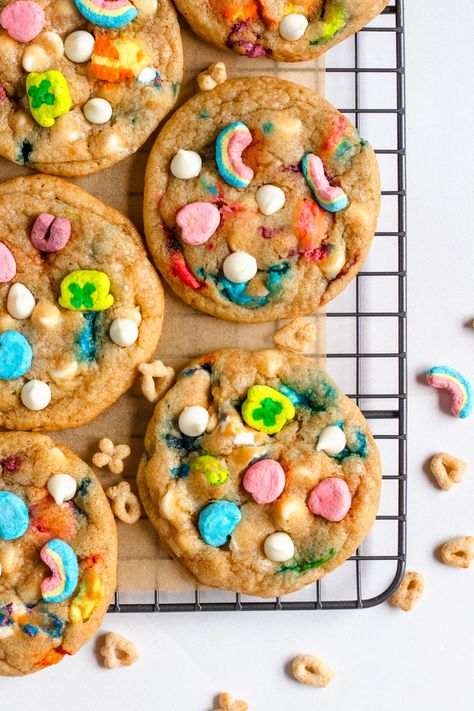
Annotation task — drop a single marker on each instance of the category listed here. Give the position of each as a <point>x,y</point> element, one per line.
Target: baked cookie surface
<point>275,205</point>
<point>80,305</point>
<point>258,473</point>
<point>277,29</point>
<point>77,96</point>
<point>58,552</point>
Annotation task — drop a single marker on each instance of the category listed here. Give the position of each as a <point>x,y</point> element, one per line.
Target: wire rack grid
<point>365,76</point>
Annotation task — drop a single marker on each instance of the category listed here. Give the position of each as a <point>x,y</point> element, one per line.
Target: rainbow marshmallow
<point>230,144</point>
<point>112,14</point>
<point>445,378</point>
<point>62,561</point>
<point>332,198</point>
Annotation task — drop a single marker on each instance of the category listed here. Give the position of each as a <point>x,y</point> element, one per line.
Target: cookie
<point>80,305</point>
<point>83,83</point>
<point>261,200</point>
<point>58,553</point>
<point>259,474</point>
<point>277,29</point>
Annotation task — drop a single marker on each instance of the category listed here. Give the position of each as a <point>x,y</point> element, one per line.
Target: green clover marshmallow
<point>267,410</point>
<point>48,95</point>
<point>86,290</point>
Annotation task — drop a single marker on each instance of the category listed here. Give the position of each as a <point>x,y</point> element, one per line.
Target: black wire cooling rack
<point>370,360</point>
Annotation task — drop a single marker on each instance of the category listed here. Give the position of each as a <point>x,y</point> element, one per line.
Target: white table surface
<point>383,658</point>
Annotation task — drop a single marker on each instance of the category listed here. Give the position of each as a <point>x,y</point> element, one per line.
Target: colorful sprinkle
<point>48,96</point>
<point>15,355</point>
<point>230,144</point>
<point>266,410</point>
<point>112,14</point>
<point>14,517</point>
<point>330,499</point>
<point>445,378</point>
<point>217,521</point>
<point>331,197</point>
<point>62,561</point>
<point>265,480</point>
<point>86,290</point>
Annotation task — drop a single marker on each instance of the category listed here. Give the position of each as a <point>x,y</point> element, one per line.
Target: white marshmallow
<point>123,332</point>
<point>279,547</point>
<point>193,420</point>
<point>239,267</point>
<point>293,27</point>
<point>332,440</point>
<point>186,164</point>
<point>97,111</point>
<point>20,301</point>
<point>147,76</point>
<point>35,395</point>
<point>79,46</point>
<point>62,487</point>
<point>270,199</point>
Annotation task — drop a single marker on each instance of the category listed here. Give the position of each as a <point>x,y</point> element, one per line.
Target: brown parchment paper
<point>144,563</point>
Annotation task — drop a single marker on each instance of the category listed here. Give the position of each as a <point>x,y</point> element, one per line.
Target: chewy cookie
<point>83,83</point>
<point>261,200</point>
<point>80,305</point>
<point>278,29</point>
<point>259,474</point>
<point>58,553</point>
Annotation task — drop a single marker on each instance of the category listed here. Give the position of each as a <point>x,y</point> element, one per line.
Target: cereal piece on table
<point>410,590</point>
<point>296,334</point>
<point>311,670</point>
<point>125,504</point>
<point>111,455</point>
<point>447,470</point>
<point>210,78</point>
<point>118,651</point>
<point>459,552</point>
<point>156,380</point>
<point>227,703</point>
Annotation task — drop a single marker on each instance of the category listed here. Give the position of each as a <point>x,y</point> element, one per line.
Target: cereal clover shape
<point>267,410</point>
<point>86,290</point>
<point>211,468</point>
<point>41,95</point>
<point>81,295</point>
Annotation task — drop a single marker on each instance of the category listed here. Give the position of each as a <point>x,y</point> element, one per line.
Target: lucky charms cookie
<point>80,305</point>
<point>259,474</point>
<point>58,553</point>
<point>278,29</point>
<point>83,83</point>
<point>261,200</point>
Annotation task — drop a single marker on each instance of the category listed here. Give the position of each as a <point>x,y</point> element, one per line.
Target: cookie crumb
<point>447,470</point>
<point>312,671</point>
<point>210,78</point>
<point>459,552</point>
<point>125,504</point>
<point>410,591</point>
<point>296,335</point>
<point>111,455</point>
<point>157,379</point>
<point>118,651</point>
<point>227,703</point>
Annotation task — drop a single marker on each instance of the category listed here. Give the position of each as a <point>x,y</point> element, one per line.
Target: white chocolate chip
<point>239,267</point>
<point>20,301</point>
<point>332,440</point>
<point>333,263</point>
<point>193,420</point>
<point>8,559</point>
<point>45,316</point>
<point>186,164</point>
<point>79,46</point>
<point>146,7</point>
<point>66,369</point>
<point>97,111</point>
<point>286,508</point>
<point>288,126</point>
<point>279,547</point>
<point>123,332</point>
<point>270,199</point>
<point>110,145</point>
<point>56,458</point>
<point>147,76</point>
<point>168,505</point>
<point>293,27</point>
<point>35,395</point>
<point>20,122</point>
<point>62,487</point>
<point>35,59</point>
<point>6,323</point>
<point>52,43</point>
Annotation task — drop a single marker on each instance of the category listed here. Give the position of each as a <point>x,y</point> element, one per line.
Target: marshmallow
<point>20,301</point>
<point>240,267</point>
<point>279,547</point>
<point>62,487</point>
<point>35,395</point>
<point>293,27</point>
<point>123,332</point>
<point>186,164</point>
<point>193,420</point>
<point>270,199</point>
<point>79,46</point>
<point>332,440</point>
<point>97,111</point>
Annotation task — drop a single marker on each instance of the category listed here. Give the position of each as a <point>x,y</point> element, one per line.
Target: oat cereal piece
<point>111,455</point>
<point>295,335</point>
<point>156,380</point>
<point>459,552</point>
<point>312,671</point>
<point>118,651</point>
<point>410,591</point>
<point>210,78</point>
<point>125,504</point>
<point>227,703</point>
<point>447,470</point>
